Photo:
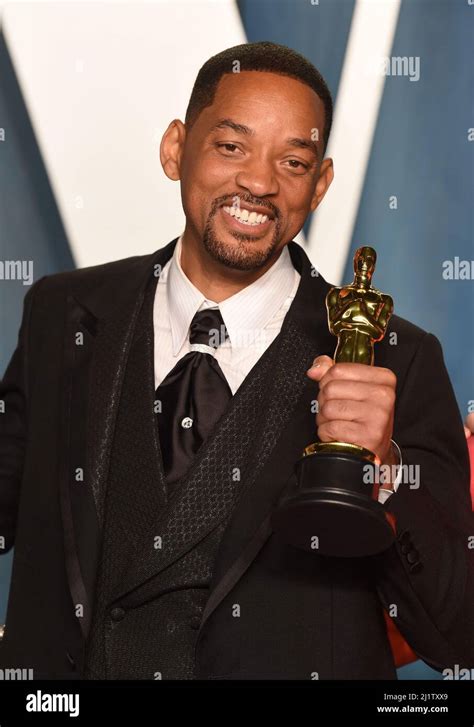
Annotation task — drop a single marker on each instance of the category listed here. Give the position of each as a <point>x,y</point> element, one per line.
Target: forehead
<point>265,97</point>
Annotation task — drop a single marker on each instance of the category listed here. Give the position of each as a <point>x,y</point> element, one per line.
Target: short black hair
<point>261,56</point>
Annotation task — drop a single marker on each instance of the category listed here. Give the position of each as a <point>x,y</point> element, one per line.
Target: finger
<point>352,433</point>
<point>372,399</point>
<point>376,375</point>
<point>340,431</point>
<point>319,367</point>
<point>373,423</point>
<point>351,390</point>
<point>342,410</point>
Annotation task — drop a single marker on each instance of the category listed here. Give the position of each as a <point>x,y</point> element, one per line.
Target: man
<point>155,409</point>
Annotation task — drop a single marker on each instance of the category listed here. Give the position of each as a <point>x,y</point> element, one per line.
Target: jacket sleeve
<point>426,579</point>
<point>14,428</point>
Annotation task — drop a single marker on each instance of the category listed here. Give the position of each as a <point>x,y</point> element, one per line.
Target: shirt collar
<point>244,314</point>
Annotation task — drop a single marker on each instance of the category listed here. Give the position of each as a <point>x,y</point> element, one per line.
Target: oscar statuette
<point>332,511</point>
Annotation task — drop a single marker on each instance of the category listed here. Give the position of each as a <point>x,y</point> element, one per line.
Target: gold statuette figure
<point>358,315</point>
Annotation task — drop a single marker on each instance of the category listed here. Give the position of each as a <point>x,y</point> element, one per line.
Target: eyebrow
<point>297,142</point>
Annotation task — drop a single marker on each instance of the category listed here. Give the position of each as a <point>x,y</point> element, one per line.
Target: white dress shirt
<point>253,318</point>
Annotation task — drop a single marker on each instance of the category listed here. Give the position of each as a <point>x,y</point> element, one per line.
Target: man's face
<point>256,149</point>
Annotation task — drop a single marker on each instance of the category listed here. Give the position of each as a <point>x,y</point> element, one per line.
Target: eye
<point>296,164</point>
<point>226,145</point>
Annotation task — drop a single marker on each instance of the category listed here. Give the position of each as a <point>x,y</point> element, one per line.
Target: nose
<point>258,177</point>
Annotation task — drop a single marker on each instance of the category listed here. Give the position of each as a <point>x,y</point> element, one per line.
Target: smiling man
<point>155,409</point>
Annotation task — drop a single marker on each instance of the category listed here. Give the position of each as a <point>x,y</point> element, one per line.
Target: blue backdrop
<point>421,155</point>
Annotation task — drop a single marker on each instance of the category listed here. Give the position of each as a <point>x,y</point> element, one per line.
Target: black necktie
<point>193,396</point>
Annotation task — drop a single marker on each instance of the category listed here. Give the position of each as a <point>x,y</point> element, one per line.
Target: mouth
<point>252,223</point>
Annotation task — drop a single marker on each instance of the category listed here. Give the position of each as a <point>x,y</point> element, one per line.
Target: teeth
<point>243,216</point>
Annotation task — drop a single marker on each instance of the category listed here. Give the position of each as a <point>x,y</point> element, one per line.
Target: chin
<point>238,257</point>
<point>239,251</point>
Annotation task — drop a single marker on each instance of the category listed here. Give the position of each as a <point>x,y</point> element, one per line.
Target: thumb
<point>319,367</point>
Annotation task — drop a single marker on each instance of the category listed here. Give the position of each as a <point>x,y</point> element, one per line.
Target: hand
<point>469,425</point>
<point>356,405</point>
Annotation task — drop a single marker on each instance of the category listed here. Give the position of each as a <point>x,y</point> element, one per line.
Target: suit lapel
<point>76,498</point>
<point>99,326</point>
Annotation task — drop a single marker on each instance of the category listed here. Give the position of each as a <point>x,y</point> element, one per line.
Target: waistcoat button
<point>117,614</point>
<point>195,622</point>
<point>413,556</point>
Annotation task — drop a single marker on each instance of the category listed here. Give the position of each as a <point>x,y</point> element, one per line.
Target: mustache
<point>255,201</point>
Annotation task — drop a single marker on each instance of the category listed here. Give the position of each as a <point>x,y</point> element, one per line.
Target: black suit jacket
<point>273,611</point>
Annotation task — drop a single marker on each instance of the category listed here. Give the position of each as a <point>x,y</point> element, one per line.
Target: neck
<point>216,281</point>
<point>362,280</point>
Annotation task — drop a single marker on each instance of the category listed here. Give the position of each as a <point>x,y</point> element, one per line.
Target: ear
<point>171,149</point>
<point>326,175</point>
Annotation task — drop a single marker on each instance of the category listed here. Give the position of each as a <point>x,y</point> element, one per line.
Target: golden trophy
<point>332,511</point>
